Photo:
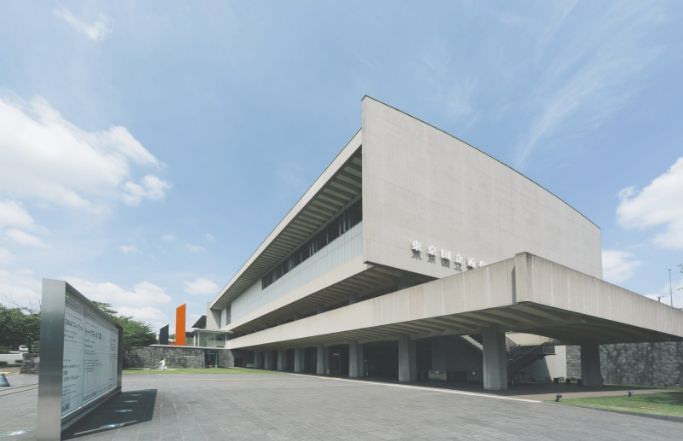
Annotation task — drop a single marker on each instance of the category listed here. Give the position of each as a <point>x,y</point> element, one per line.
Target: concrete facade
<point>453,249</point>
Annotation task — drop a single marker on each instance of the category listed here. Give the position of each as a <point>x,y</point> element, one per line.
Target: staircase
<point>520,357</point>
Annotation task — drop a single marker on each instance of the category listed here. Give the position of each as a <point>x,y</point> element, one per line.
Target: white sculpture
<point>162,365</point>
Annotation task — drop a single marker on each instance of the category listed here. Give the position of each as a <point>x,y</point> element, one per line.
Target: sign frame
<point>51,424</point>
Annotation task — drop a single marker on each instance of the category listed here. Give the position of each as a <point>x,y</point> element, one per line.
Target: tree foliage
<point>18,326</point>
<point>135,332</point>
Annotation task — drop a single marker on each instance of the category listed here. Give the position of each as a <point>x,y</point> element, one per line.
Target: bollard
<point>3,380</point>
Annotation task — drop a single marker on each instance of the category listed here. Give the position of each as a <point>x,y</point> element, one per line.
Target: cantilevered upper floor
<point>402,203</point>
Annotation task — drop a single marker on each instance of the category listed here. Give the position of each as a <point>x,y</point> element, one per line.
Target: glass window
<point>338,226</point>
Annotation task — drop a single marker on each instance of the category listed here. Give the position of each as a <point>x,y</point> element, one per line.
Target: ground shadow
<point>125,409</point>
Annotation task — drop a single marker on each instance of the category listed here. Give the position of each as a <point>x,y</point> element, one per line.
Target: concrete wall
<point>643,364</point>
<point>549,367</point>
<point>340,251</point>
<point>176,357</point>
<point>421,184</point>
<point>453,354</point>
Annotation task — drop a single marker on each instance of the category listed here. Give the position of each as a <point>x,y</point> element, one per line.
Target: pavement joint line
<point>427,389</point>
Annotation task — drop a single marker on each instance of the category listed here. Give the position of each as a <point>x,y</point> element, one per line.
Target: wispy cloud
<point>443,83</point>
<point>588,77</point>
<point>95,30</point>
<point>128,249</point>
<point>194,248</point>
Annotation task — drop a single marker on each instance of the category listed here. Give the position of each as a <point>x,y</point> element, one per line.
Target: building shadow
<point>125,409</point>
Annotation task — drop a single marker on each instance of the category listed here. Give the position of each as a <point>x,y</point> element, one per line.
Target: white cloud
<point>6,256</point>
<point>25,239</point>
<point>201,286</point>
<point>20,288</point>
<point>147,314</point>
<point>168,237</point>
<point>142,302</point>
<point>14,215</point>
<point>128,249</point>
<point>95,31</point>
<point>618,266</point>
<point>658,205</point>
<point>588,76</point>
<point>150,187</point>
<point>49,159</point>
<point>195,248</point>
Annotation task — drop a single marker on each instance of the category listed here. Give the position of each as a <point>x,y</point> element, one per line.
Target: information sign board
<point>80,364</point>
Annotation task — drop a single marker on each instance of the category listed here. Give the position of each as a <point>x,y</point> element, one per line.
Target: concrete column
<point>355,360</point>
<point>258,359</point>
<point>321,360</point>
<point>590,365</point>
<point>407,361</point>
<point>299,360</point>
<point>281,354</point>
<point>495,360</point>
<point>268,360</point>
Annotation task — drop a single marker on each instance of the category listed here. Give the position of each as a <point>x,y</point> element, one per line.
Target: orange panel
<point>180,325</point>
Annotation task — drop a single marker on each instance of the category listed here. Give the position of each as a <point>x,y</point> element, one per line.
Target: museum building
<point>415,256</point>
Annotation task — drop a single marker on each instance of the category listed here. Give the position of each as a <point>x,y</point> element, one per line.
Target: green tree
<point>18,326</point>
<point>135,332</point>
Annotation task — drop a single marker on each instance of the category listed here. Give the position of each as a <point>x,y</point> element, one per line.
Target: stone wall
<point>176,357</point>
<point>643,364</point>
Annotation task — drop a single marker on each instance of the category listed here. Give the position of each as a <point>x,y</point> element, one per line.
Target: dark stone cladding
<point>176,357</point>
<point>638,364</point>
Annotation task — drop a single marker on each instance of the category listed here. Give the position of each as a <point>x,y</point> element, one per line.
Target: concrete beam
<point>495,373</point>
<point>407,360</point>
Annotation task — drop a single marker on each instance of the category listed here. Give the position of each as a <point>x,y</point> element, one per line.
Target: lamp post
<point>671,293</point>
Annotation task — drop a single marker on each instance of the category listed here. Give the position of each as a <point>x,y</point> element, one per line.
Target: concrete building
<point>417,256</point>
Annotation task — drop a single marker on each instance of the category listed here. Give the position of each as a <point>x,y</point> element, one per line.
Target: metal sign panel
<point>80,360</point>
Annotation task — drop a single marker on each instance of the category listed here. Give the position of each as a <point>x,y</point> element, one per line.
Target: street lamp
<point>671,293</point>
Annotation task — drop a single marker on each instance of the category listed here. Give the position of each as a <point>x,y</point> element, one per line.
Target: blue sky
<point>146,148</point>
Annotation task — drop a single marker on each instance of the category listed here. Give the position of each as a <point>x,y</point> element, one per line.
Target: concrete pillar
<point>495,362</point>
<point>590,365</point>
<point>355,360</point>
<point>258,359</point>
<point>299,360</point>
<point>268,360</point>
<point>321,360</point>
<point>281,354</point>
<point>407,360</point>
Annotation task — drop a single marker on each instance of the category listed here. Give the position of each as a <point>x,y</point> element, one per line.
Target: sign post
<point>80,359</point>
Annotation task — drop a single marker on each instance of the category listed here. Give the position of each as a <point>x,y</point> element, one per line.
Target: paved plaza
<point>265,406</point>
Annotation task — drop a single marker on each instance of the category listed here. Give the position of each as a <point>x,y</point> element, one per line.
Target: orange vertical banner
<point>180,325</point>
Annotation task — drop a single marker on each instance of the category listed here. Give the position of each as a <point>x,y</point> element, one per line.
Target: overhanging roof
<point>525,294</point>
<point>338,186</point>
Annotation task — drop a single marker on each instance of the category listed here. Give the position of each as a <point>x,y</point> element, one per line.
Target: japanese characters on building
<point>459,262</point>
